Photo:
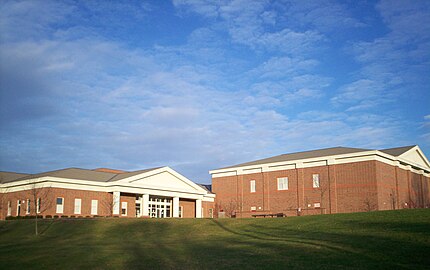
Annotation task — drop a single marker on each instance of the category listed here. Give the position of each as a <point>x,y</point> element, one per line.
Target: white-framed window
<point>253,208</point>
<point>94,207</point>
<point>9,208</point>
<point>203,212</point>
<point>316,180</point>
<point>27,210</point>
<point>60,205</point>
<point>18,207</point>
<point>78,203</point>
<point>283,183</point>
<point>181,211</point>
<point>38,203</point>
<point>123,208</point>
<point>211,213</point>
<point>252,185</point>
<point>317,205</point>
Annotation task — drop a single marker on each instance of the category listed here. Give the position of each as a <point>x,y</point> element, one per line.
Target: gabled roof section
<point>162,178</point>
<point>397,151</point>
<point>302,155</point>
<point>415,156</point>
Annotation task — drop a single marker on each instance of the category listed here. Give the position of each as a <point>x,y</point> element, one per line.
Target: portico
<point>162,193</point>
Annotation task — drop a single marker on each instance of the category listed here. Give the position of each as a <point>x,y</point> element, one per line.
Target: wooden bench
<point>269,215</point>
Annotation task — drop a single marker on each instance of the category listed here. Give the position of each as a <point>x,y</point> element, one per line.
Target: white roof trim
<point>328,159</point>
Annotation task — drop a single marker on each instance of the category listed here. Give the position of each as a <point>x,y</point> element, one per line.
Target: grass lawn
<point>376,240</point>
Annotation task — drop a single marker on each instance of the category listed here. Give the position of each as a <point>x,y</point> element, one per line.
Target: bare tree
<point>393,199</point>
<point>323,190</point>
<point>40,200</point>
<point>3,192</point>
<point>109,204</point>
<point>217,209</point>
<point>369,205</point>
<point>230,208</point>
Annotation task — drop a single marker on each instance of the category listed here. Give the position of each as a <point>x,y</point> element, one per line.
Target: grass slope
<point>376,240</point>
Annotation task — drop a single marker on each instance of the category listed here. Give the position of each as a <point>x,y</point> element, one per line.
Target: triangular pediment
<point>416,156</point>
<point>164,179</point>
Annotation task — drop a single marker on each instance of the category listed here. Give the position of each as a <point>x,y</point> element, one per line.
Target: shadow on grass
<point>215,244</point>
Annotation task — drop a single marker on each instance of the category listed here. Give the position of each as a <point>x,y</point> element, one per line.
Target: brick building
<point>157,193</point>
<point>333,180</point>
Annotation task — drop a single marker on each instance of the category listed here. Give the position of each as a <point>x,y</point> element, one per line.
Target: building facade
<point>333,180</point>
<point>154,193</point>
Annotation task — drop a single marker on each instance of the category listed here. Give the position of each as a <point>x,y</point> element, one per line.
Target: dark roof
<point>72,173</point>
<point>397,151</point>
<point>206,187</point>
<point>6,177</point>
<point>302,155</point>
<point>130,174</point>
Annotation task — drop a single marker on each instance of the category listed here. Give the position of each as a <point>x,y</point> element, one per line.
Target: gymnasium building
<point>325,181</point>
<point>155,193</point>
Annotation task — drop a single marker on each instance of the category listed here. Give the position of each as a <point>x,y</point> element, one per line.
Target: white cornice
<point>125,185</point>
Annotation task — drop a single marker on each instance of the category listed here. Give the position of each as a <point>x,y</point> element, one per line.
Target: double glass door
<point>160,207</point>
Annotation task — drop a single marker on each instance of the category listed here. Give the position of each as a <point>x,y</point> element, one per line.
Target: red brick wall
<point>415,190</point>
<point>356,187</point>
<point>48,205</point>
<point>226,190</point>
<point>189,208</point>
<point>316,195</point>
<point>281,201</point>
<point>403,196</point>
<point>387,186</point>
<point>131,204</point>
<point>351,187</point>
<point>206,206</point>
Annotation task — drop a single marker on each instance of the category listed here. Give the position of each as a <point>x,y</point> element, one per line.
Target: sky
<point>199,85</point>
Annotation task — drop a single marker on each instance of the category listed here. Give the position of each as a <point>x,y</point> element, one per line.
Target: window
<point>27,212</point>
<point>94,206</point>
<point>38,203</point>
<point>123,208</point>
<point>9,208</point>
<point>211,213</point>
<point>78,203</point>
<point>252,184</point>
<point>283,183</point>
<point>60,205</point>
<point>253,208</point>
<point>317,205</point>
<point>181,210</point>
<point>316,180</point>
<point>18,207</point>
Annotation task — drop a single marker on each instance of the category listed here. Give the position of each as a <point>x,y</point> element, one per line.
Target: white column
<point>116,202</point>
<point>176,207</point>
<point>144,205</point>
<point>198,208</point>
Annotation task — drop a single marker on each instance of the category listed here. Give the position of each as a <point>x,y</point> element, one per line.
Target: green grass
<point>376,240</point>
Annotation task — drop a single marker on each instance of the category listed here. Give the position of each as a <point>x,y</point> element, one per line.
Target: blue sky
<point>198,85</point>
